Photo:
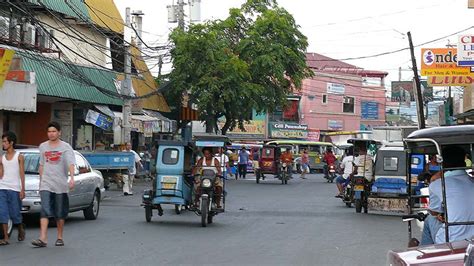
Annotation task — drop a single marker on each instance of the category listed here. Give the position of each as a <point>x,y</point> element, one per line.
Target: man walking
<point>128,179</point>
<point>57,160</point>
<point>243,162</point>
<point>12,187</point>
<point>223,162</point>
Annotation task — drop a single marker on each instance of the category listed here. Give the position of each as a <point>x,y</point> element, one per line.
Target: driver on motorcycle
<point>363,164</point>
<point>330,159</point>
<point>347,166</point>
<point>287,157</point>
<point>208,162</point>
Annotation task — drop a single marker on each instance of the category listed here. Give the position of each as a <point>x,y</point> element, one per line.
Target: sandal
<point>21,232</point>
<point>39,243</point>
<point>4,242</point>
<point>59,243</point>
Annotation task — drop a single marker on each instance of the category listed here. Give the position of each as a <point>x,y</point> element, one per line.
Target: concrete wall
<point>92,54</point>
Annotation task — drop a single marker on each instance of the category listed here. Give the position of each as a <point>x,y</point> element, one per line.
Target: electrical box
<point>195,10</point>
<point>172,13</point>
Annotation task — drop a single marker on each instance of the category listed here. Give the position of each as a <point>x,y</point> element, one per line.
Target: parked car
<point>86,195</point>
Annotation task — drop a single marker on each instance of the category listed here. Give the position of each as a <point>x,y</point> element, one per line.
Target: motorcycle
<point>284,175</point>
<point>331,175</point>
<point>207,200</point>
<point>361,192</point>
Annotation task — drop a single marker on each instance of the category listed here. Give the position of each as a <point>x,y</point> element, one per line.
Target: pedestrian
<point>243,162</point>
<point>304,163</point>
<point>223,162</point>
<point>57,160</point>
<point>12,187</point>
<point>130,177</point>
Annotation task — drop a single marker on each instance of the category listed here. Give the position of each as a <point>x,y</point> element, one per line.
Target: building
<point>341,96</point>
<point>74,51</point>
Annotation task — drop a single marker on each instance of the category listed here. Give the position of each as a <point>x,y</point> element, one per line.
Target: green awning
<point>65,80</point>
<point>74,8</point>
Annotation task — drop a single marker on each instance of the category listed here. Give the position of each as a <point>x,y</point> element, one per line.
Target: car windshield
<point>31,163</point>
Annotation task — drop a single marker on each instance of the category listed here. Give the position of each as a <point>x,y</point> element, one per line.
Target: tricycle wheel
<point>348,204</point>
<point>204,211</point>
<point>210,218</point>
<point>286,182</point>
<point>358,205</point>
<point>177,208</point>
<point>148,213</point>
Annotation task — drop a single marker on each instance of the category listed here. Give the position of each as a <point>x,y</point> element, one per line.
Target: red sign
<point>313,135</point>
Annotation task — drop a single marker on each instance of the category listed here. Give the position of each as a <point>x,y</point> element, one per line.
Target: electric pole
<point>417,83</point>
<point>127,86</point>
<point>181,14</point>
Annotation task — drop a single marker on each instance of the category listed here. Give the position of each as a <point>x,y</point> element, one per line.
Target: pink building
<point>341,96</point>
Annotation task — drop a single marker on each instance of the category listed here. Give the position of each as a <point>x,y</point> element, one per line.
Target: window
<point>267,153</point>
<point>325,99</point>
<point>348,104</point>
<point>390,163</point>
<point>31,163</point>
<point>81,165</point>
<point>170,156</point>
<point>311,97</point>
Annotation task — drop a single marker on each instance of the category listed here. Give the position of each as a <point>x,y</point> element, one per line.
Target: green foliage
<point>251,60</point>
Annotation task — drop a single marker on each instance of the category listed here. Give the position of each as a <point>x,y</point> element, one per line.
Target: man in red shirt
<point>329,158</point>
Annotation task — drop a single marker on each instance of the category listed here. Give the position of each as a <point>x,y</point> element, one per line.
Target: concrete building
<point>341,96</point>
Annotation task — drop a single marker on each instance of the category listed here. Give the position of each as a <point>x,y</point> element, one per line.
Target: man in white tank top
<point>208,162</point>
<point>12,187</point>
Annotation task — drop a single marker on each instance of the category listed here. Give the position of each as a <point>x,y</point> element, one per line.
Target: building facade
<point>341,96</point>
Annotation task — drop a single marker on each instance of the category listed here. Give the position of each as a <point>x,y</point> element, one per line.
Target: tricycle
<point>270,163</point>
<point>448,222</point>
<point>186,181</point>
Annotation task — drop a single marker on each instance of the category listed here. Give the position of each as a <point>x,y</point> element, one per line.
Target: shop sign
<point>369,110</point>
<point>466,50</point>
<point>137,125</point>
<point>450,81</point>
<point>99,120</point>
<point>313,135</point>
<point>148,129</point>
<point>335,124</point>
<point>288,131</point>
<point>253,129</point>
<point>6,57</point>
<point>156,126</point>
<point>442,62</point>
<point>335,88</point>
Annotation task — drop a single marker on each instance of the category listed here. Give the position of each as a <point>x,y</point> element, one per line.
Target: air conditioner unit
<point>29,34</point>
<point>15,30</point>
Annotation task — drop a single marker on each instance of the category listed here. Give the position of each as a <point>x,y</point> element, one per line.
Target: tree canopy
<point>250,61</point>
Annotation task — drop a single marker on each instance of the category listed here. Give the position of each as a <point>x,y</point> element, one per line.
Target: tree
<point>250,61</point>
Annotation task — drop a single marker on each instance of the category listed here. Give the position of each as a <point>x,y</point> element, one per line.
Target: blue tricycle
<point>175,184</point>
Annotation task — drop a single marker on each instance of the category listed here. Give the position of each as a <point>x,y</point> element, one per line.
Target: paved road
<point>265,224</point>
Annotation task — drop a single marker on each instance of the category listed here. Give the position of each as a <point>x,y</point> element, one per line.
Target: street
<point>264,224</point>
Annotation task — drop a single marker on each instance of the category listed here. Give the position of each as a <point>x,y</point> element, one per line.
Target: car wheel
<point>92,212</point>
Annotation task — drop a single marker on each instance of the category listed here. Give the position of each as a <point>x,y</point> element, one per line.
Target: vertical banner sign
<point>466,50</point>
<point>6,57</point>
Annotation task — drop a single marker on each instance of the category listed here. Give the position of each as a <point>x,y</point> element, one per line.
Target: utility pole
<point>417,83</point>
<point>138,19</point>
<point>181,14</point>
<point>127,86</point>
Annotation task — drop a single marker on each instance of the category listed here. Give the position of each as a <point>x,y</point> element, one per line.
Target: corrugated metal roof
<point>59,79</point>
<point>105,14</point>
<point>147,85</point>
<point>72,8</point>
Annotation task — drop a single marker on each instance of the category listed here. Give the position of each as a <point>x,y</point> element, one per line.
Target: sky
<point>342,29</point>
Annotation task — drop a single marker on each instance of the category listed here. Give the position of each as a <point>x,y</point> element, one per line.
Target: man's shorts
<point>54,205</point>
<point>10,206</point>
<point>255,164</point>
<point>342,181</point>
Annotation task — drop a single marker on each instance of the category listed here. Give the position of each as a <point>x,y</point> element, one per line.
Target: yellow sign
<point>253,127</point>
<point>6,57</point>
<point>450,81</point>
<point>442,62</point>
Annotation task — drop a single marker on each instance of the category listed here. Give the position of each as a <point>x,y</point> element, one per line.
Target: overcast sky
<point>343,29</point>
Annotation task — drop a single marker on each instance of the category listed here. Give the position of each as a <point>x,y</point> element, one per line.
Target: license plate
<point>168,185</point>
<point>359,188</point>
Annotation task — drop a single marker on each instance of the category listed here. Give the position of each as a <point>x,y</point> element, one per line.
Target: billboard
<point>369,110</point>
<point>404,91</point>
<point>442,62</point>
<point>450,81</point>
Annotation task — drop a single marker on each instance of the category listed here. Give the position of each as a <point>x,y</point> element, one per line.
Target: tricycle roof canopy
<point>446,135</point>
<point>211,140</point>
<point>368,141</point>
